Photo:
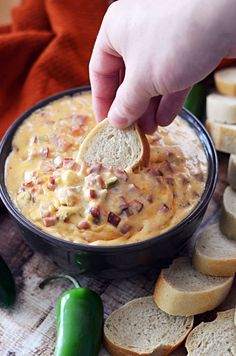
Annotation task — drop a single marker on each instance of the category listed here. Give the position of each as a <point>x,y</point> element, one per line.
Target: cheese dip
<point>93,204</point>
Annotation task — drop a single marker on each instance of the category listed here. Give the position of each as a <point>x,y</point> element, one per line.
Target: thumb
<point>130,102</point>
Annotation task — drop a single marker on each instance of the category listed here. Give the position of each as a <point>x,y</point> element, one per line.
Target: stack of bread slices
<point>156,325</point>
<point>221,111</point>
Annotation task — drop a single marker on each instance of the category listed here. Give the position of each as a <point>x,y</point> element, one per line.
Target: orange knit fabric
<point>45,50</point>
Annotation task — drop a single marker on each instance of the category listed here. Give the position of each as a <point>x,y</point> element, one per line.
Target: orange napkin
<point>45,50</point>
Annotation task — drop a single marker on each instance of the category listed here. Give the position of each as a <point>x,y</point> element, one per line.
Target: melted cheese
<point>95,205</point>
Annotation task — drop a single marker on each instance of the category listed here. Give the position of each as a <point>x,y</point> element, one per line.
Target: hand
<point>149,53</point>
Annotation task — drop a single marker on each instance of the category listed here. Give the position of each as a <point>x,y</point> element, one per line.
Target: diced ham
<point>83,225</point>
<point>77,131</point>
<point>121,174</point>
<point>49,221</point>
<point>93,194</point>
<point>39,180</point>
<point>79,120</point>
<point>52,180</point>
<point>125,228</point>
<point>149,198</point>
<point>113,219</point>
<point>95,212</point>
<point>96,168</point>
<point>170,180</point>
<point>45,152</point>
<point>28,184</point>
<point>135,206</point>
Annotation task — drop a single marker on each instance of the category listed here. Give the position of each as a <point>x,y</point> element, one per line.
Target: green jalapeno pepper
<point>196,100</point>
<point>7,285</point>
<point>79,320</point>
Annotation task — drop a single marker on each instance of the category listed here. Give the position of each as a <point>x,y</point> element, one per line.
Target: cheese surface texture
<point>92,204</point>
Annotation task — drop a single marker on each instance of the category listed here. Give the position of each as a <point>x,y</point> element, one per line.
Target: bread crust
<point>179,302</point>
<point>223,135</point>
<point>232,171</point>
<point>144,158</point>
<point>227,218</point>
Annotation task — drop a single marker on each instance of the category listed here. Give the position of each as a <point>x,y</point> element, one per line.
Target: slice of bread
<point>215,338</point>
<point>228,213</point>
<point>214,254</point>
<point>114,148</point>
<point>225,81</point>
<point>141,328</point>
<point>232,171</point>
<point>182,290</point>
<point>221,108</point>
<point>223,135</point>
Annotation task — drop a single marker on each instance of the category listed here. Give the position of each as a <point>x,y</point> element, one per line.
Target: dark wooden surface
<point>29,328</point>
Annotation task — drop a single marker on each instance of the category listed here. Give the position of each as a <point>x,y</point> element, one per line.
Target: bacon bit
<point>93,194</point>
<point>45,152</point>
<point>165,208</point>
<point>125,228</point>
<point>39,181</point>
<point>96,168</point>
<point>83,225</point>
<point>49,221</point>
<point>113,219</point>
<point>28,184</point>
<point>52,180</point>
<point>51,186</point>
<point>95,212</point>
<point>150,198</point>
<point>121,174</point>
<point>170,180</point>
<point>199,176</point>
<point>135,206</point>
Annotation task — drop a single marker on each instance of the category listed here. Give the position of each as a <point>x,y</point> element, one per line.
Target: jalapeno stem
<point>59,276</point>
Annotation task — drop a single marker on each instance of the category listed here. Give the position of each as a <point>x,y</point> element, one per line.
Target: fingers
<point>104,72</point>
<point>147,121</point>
<point>169,107</point>
<point>130,103</point>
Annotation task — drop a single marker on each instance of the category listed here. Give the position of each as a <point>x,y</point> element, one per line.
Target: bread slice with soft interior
<point>223,135</point>
<point>214,254</point>
<point>182,290</point>
<point>221,108</point>
<point>225,81</point>
<point>215,338</point>
<point>228,213</point>
<point>140,328</point>
<point>232,171</point>
<point>114,148</point>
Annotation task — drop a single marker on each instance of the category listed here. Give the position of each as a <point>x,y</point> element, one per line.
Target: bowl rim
<point>199,129</point>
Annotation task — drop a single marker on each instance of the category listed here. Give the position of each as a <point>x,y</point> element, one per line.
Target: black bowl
<point>111,261</point>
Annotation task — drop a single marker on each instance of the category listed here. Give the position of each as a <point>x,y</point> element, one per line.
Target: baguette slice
<point>181,290</point>
<point>228,213</point>
<point>141,328</point>
<point>216,338</point>
<point>221,108</point>
<point>114,148</point>
<point>223,135</point>
<point>225,81</point>
<point>232,171</point>
<point>214,254</point>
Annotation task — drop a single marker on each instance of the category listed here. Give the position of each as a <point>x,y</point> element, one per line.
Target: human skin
<point>148,54</point>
